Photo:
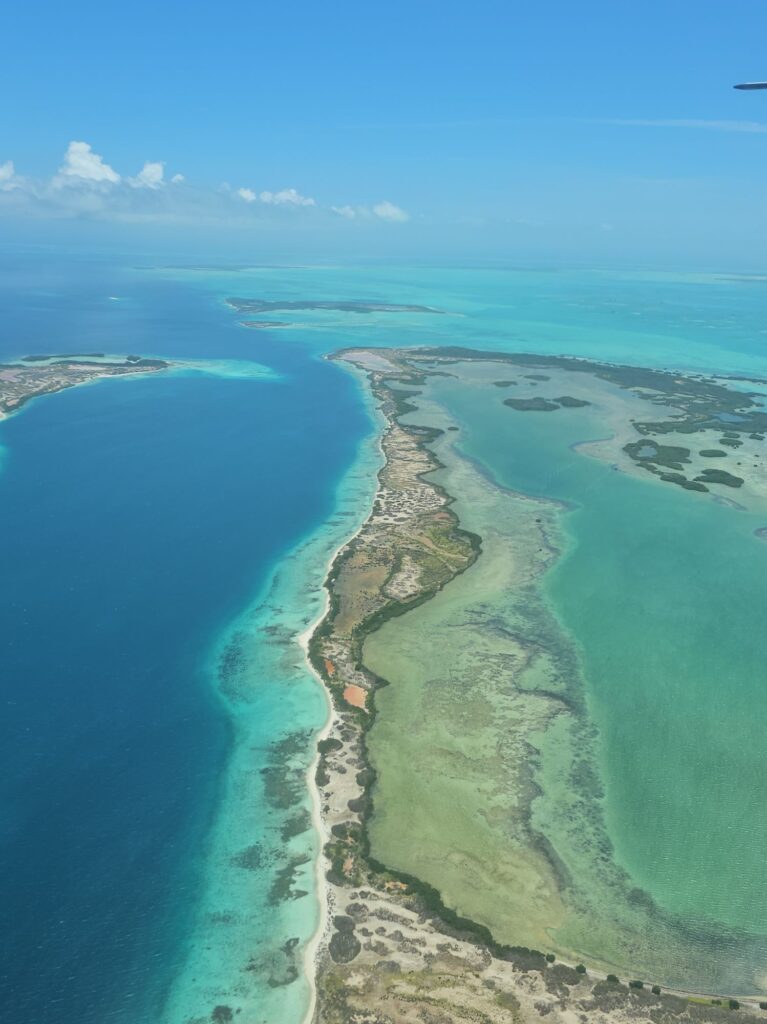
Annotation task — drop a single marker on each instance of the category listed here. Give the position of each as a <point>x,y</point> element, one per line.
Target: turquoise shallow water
<point>161,525</point>
<point>663,595</point>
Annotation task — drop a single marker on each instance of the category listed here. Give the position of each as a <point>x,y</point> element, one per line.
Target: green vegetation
<point>344,946</point>
<point>713,453</point>
<point>651,454</point>
<point>720,476</point>
<point>327,745</point>
<point>580,968</point>
<point>571,403</point>
<point>73,355</point>
<point>733,1004</point>
<point>682,481</point>
<point>401,404</point>
<point>531,404</point>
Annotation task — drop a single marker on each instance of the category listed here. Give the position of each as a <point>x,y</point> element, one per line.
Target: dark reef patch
<point>531,404</point>
<point>251,858</point>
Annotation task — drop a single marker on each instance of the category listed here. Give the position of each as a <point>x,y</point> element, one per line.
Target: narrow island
<point>392,949</point>
<point>254,306</point>
<point>36,375</point>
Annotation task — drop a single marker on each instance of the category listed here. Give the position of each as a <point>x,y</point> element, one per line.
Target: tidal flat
<point>563,746</point>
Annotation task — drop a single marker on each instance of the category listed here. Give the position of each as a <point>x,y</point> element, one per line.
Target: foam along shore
<point>393,944</point>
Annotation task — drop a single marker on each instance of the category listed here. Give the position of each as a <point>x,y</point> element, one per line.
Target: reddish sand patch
<point>355,696</point>
<point>330,667</point>
<point>392,886</point>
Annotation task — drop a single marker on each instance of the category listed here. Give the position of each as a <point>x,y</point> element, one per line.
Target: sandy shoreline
<point>318,824</point>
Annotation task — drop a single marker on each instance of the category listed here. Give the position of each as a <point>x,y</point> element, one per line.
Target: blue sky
<point>599,129</point>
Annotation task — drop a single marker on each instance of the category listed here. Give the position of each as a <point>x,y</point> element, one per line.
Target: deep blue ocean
<point>139,518</point>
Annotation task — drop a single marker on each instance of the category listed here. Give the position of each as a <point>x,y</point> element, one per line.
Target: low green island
<point>470,872</point>
<point>36,375</point>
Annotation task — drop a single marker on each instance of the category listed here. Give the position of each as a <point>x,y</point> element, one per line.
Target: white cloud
<point>749,127</point>
<point>86,186</point>
<point>381,211</point>
<point>150,176</point>
<point>8,178</point>
<point>388,211</point>
<point>82,164</point>
<point>287,197</point>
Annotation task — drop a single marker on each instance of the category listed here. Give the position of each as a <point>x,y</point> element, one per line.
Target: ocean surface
<point>165,541</point>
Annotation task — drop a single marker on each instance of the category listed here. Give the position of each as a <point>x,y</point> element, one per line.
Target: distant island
<point>36,375</point>
<point>253,306</point>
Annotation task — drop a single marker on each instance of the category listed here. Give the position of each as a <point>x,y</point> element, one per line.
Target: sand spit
<point>388,951</point>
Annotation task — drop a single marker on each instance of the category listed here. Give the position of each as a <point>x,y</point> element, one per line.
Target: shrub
<point>613,978</point>
<point>329,744</point>
<point>580,969</point>
<point>763,1006</point>
<point>636,984</point>
<point>733,1004</point>
<point>550,957</point>
<point>656,989</point>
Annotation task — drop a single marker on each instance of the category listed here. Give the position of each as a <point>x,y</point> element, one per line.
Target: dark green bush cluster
<point>325,746</point>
